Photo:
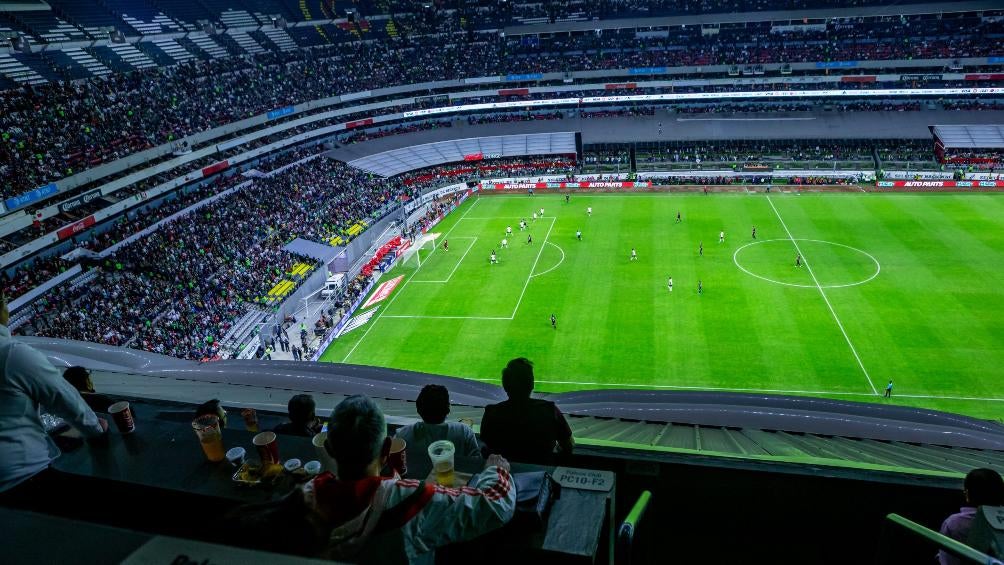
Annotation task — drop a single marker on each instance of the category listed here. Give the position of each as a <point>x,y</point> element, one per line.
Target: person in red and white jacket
<point>374,519</point>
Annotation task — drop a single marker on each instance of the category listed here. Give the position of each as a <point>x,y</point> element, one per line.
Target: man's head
<point>984,487</point>
<point>517,378</point>
<point>80,378</point>
<point>212,407</point>
<point>302,409</point>
<point>357,438</point>
<point>433,404</point>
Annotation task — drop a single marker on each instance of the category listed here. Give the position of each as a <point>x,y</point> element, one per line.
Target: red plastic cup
<point>122,414</point>
<point>250,419</point>
<point>397,460</point>
<point>267,445</point>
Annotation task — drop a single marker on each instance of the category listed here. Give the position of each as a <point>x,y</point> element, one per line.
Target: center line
<point>825,299</point>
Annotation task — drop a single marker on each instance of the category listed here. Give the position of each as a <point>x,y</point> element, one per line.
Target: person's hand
<point>104,424</point>
<point>497,461</point>
<point>4,312</point>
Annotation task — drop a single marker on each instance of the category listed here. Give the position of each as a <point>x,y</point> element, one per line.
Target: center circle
<point>862,265</point>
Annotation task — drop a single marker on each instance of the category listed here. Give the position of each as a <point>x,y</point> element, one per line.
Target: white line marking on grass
<point>744,119</point>
<point>532,269</point>
<point>878,267</point>
<point>560,261</point>
<point>756,390</point>
<point>400,291</point>
<point>449,317</point>
<point>825,299</point>
<point>450,276</point>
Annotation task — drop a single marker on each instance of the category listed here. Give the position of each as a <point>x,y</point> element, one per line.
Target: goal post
<point>426,241</point>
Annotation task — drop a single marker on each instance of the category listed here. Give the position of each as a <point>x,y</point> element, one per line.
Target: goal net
<point>420,249</point>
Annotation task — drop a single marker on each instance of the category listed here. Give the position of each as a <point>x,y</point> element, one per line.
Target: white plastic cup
<point>312,468</point>
<point>327,461</point>
<point>236,456</point>
<point>441,453</point>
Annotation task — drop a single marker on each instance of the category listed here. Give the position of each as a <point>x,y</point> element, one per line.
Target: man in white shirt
<point>433,405</point>
<point>29,383</point>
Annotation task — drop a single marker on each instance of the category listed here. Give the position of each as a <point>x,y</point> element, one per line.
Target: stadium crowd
<point>54,131</point>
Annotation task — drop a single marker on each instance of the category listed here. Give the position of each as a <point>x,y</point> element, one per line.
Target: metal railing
<point>955,547</point>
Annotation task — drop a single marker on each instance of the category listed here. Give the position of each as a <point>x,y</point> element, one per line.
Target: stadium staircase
<point>173,50</point>
<point>18,72</point>
<point>206,43</point>
<point>280,38</point>
<point>131,56</point>
<point>244,331</point>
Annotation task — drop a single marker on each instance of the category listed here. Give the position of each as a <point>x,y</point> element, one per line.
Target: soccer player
<point>578,235</point>
<point>754,232</point>
<point>589,211</point>
<point>679,218</point>
<point>567,198</point>
<point>508,231</point>
<point>535,216</point>
<point>670,284</point>
<point>798,259</point>
<point>446,245</point>
<point>700,250</point>
<point>541,212</point>
<point>700,287</point>
<point>529,191</point>
<point>529,239</point>
<point>522,225</point>
<point>721,237</point>
<point>505,243</point>
<point>493,259</point>
<point>554,322</point>
<point>634,254</point>
<point>888,390</point>
<point>705,190</point>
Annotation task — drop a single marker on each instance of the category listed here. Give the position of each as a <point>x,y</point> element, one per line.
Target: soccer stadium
<point>555,281</point>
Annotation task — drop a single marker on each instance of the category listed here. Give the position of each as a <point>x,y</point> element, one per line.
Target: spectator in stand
<point>213,408</point>
<point>982,487</point>
<point>80,378</point>
<point>29,384</point>
<point>433,405</point>
<point>524,428</point>
<point>374,519</point>
<point>303,420</point>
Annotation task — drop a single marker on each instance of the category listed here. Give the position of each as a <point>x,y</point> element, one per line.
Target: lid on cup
<point>118,407</point>
<point>263,438</point>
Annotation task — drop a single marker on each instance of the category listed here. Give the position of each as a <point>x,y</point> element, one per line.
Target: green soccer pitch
<point>908,287</point>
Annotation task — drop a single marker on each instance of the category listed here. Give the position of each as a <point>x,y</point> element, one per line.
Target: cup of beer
<point>267,445</point>
<point>250,416</point>
<point>441,452</point>
<point>327,461</point>
<point>122,414</point>
<point>397,461</point>
<point>207,427</point>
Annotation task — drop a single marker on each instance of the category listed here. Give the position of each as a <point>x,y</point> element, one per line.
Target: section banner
<point>278,113</point>
<point>73,203</point>
<point>215,168</point>
<point>647,71</point>
<point>33,196</point>
<point>358,123</point>
<point>573,184</point>
<point>514,92</point>
<point>75,228</point>
<point>527,76</point>
<point>940,184</point>
<point>836,64</point>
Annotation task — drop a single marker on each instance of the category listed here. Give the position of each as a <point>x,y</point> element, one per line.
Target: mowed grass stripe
<point>930,321</point>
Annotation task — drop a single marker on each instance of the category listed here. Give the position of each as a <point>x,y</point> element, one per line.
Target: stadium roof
<point>397,161</point>
<point>970,137</point>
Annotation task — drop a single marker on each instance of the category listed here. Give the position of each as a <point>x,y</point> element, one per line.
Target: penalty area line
<point>400,291</point>
<point>532,269</point>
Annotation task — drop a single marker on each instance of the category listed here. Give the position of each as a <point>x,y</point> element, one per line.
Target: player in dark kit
<point>700,287</point>
<point>529,239</point>
<point>678,217</point>
<point>567,198</point>
<point>798,259</point>
<point>754,232</point>
<point>700,250</point>
<point>446,245</point>
<point>554,322</point>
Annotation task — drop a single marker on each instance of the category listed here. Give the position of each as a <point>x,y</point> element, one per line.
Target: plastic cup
<point>441,452</point>
<point>292,465</point>
<point>250,416</point>
<point>236,456</point>
<point>397,460</point>
<point>312,468</point>
<point>327,461</point>
<point>208,429</point>
<point>267,445</point>
<point>122,415</point>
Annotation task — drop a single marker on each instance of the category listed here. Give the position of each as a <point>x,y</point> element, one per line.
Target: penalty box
<point>461,283</point>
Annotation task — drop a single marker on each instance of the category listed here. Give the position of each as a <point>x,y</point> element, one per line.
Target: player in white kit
<point>721,237</point>
<point>670,284</point>
<point>504,244</point>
